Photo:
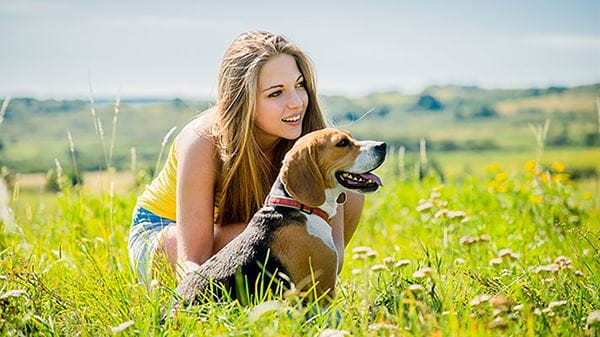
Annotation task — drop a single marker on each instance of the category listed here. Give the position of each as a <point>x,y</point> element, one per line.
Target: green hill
<point>451,118</point>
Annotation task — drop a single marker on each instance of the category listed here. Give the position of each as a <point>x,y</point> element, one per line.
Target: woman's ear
<point>302,177</point>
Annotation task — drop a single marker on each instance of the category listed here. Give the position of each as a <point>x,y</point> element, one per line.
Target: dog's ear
<point>302,177</point>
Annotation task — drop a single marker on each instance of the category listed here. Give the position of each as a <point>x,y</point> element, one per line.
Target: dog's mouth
<point>364,182</point>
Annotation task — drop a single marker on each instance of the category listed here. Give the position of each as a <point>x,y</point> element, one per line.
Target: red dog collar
<point>282,201</point>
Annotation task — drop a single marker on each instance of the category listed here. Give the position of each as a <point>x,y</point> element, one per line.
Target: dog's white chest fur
<point>319,228</point>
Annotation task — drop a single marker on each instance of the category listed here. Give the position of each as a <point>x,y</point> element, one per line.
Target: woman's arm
<point>196,179</point>
<point>344,223</point>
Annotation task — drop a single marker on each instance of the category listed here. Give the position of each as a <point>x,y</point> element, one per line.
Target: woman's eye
<point>301,85</point>
<point>275,93</point>
<point>343,143</point>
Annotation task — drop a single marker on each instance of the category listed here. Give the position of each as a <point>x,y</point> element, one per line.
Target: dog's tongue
<point>373,177</point>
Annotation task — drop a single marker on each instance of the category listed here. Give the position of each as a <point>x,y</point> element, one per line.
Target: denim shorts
<point>144,237</point>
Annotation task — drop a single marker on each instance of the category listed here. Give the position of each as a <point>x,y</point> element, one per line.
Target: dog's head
<point>329,159</point>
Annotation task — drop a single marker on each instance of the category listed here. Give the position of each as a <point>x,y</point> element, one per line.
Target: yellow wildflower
<point>558,166</point>
<point>546,177</point>
<point>587,195</point>
<point>501,176</point>
<point>502,188</point>
<point>561,177</point>
<point>530,166</point>
<point>536,199</point>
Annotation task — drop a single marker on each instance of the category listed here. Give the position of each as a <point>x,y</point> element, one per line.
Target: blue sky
<point>167,49</point>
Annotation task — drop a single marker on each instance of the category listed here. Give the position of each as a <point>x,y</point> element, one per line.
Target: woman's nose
<point>295,101</point>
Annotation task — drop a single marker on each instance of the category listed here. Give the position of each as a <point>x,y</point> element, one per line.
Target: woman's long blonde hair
<point>247,174</point>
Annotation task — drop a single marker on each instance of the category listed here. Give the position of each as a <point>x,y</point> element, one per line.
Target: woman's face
<point>281,100</point>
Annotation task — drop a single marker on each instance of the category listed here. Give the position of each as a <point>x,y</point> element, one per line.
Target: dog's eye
<point>343,143</point>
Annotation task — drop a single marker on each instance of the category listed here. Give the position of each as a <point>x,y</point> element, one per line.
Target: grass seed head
<point>563,261</point>
<point>435,195</point>
<point>372,254</point>
<point>415,288</point>
<point>422,273</point>
<point>508,253</point>
<point>593,318</point>
<point>363,252</point>
<point>389,260</point>
<point>361,249</point>
<point>378,267</point>
<point>485,238</point>
<point>467,240</point>
<point>500,302</point>
<point>13,293</point>
<point>401,263</point>
<point>456,214</point>
<point>442,212</point>
<point>333,333</point>
<point>424,206</point>
<point>556,304</point>
<point>518,307</point>
<point>121,327</point>
<point>477,300</point>
<point>499,323</point>
<point>498,312</point>
<point>551,268</point>
<point>381,325</point>
<point>495,262</point>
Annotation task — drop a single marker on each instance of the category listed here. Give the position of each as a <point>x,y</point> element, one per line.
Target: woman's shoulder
<point>197,136</point>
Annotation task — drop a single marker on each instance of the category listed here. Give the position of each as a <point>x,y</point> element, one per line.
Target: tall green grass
<point>512,252</point>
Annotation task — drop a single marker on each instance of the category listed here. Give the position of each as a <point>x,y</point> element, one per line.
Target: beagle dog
<point>288,244</point>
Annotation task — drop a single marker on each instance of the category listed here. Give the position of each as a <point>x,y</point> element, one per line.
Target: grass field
<point>507,251</point>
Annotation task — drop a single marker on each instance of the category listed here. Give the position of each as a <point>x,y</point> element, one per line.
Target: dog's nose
<point>381,147</point>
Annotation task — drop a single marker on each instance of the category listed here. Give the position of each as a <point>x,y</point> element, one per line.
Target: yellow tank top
<point>159,196</point>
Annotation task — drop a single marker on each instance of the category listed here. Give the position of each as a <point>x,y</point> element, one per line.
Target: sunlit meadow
<point>507,253</point>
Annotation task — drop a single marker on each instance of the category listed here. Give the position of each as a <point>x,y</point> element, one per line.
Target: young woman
<point>222,164</point>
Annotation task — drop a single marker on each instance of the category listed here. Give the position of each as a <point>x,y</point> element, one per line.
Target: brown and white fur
<point>280,240</point>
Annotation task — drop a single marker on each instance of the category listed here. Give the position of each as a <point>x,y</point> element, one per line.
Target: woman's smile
<point>293,120</point>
